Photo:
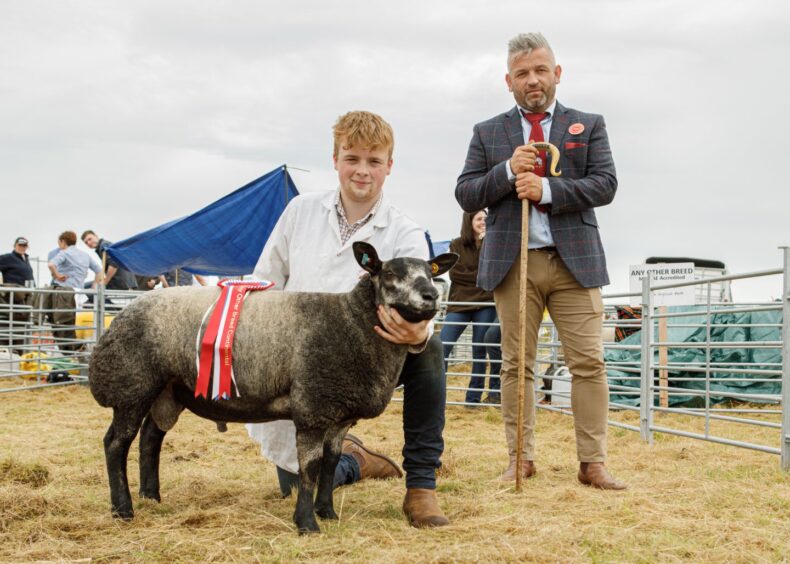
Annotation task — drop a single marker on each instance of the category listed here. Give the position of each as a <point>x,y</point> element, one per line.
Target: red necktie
<point>536,135</point>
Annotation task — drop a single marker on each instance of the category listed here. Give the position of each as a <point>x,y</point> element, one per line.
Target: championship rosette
<point>216,348</point>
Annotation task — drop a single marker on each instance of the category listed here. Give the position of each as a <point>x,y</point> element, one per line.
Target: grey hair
<point>524,43</point>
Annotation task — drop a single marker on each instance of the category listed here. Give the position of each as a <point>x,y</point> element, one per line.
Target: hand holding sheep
<point>399,331</point>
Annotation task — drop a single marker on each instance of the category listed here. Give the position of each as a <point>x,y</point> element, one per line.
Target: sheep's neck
<point>362,301</point>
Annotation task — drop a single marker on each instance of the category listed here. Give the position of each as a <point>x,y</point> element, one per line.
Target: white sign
<point>663,273</point>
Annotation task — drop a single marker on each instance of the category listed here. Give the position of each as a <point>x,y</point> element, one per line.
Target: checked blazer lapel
<point>559,126</point>
<point>515,133</point>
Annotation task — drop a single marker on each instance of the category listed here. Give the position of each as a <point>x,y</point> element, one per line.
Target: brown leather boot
<point>422,508</point>
<point>527,470</point>
<point>371,464</point>
<point>594,474</point>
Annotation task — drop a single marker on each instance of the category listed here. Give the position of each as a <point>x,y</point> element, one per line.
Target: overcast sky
<point>119,116</point>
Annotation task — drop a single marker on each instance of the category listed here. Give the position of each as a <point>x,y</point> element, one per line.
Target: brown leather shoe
<point>371,464</point>
<point>594,474</point>
<point>527,470</point>
<point>422,508</point>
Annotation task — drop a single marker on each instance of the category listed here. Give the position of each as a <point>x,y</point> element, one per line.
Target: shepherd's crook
<point>522,310</point>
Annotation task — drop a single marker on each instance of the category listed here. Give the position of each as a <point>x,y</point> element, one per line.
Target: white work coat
<point>304,254</point>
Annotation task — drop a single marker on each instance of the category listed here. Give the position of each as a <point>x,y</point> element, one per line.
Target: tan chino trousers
<point>577,313</point>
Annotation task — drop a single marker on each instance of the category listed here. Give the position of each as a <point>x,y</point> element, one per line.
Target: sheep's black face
<point>406,284</point>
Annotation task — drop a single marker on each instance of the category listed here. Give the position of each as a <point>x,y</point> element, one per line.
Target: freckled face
<point>362,172</point>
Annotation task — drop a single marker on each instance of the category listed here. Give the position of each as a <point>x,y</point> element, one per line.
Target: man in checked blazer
<point>566,262</point>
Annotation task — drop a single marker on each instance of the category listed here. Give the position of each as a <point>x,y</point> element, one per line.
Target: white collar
<point>380,217</point>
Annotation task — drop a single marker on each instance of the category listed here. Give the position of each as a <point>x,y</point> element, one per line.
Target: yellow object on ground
<point>85,319</point>
<point>34,362</point>
<point>43,362</point>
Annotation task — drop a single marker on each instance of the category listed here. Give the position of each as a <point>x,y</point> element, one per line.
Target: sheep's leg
<point>333,442</point>
<point>119,437</point>
<point>309,447</point>
<point>151,437</point>
<point>162,417</point>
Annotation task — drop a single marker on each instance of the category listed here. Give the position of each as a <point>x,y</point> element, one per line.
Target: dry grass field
<point>688,500</point>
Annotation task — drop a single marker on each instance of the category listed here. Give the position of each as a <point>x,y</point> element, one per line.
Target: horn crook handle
<point>555,155</point>
<point>522,312</point>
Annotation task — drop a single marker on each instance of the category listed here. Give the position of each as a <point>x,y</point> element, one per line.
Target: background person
<point>310,249</point>
<point>15,266</point>
<point>463,288</point>
<point>566,265</point>
<point>180,277</point>
<point>17,274</point>
<point>493,342</point>
<point>146,283</point>
<point>116,277</point>
<point>51,255</point>
<point>69,268</point>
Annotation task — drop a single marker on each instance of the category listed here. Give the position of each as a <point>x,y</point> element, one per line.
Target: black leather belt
<point>545,249</point>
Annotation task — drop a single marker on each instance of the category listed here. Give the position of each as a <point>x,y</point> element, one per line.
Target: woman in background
<point>479,309</point>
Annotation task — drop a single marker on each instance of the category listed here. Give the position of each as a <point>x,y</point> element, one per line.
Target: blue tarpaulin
<point>225,238</point>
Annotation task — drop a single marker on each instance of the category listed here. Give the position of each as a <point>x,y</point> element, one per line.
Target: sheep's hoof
<point>150,495</point>
<point>326,512</point>
<point>308,525</point>
<point>126,514</point>
<point>222,427</point>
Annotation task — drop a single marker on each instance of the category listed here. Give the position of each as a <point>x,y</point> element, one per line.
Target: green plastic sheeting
<point>735,327</point>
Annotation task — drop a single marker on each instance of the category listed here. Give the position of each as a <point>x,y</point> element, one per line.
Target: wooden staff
<point>522,312</point>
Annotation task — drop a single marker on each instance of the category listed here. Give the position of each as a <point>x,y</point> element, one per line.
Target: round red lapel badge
<point>576,128</point>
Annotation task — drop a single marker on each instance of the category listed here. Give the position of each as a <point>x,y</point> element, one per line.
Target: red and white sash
<point>217,345</point>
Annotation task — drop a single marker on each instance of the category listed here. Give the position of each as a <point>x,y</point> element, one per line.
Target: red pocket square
<point>575,145</point>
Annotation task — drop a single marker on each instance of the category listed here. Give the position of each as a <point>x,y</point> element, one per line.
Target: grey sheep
<point>310,357</point>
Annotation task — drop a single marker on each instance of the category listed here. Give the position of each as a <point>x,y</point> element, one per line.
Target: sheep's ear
<point>441,264</point>
<point>367,257</point>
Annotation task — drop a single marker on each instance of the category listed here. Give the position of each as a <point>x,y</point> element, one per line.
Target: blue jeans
<point>493,341</point>
<point>450,334</point>
<point>346,472</point>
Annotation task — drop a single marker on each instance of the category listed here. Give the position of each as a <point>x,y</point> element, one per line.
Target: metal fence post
<point>99,310</point>
<point>785,447</point>
<point>708,321</point>
<point>646,372</point>
<point>11,296</point>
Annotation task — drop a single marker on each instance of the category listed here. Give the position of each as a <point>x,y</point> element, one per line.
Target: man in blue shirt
<point>69,269</point>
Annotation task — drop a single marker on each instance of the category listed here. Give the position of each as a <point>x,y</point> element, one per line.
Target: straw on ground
<point>688,500</point>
